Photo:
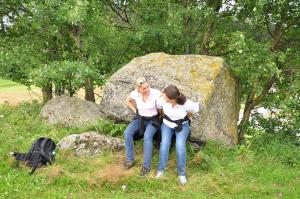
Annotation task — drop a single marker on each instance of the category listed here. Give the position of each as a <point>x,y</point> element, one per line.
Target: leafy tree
<point>265,51</point>
<point>51,32</point>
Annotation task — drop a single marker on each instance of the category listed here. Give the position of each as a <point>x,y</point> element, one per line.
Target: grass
<point>213,172</point>
<point>8,86</point>
<point>4,82</point>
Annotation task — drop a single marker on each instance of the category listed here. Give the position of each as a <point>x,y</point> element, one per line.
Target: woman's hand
<point>131,105</point>
<point>190,115</point>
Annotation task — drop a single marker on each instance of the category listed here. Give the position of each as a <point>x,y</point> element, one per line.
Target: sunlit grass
<point>8,86</point>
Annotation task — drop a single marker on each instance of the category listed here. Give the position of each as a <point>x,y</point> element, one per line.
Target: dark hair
<point>172,92</point>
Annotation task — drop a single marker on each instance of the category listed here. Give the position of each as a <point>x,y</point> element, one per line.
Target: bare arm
<point>130,104</point>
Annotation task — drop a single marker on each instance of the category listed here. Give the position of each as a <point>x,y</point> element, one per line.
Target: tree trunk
<point>59,89</point>
<point>2,25</point>
<point>89,90</point>
<point>277,37</point>
<point>186,27</point>
<point>89,85</point>
<point>206,37</point>
<point>70,89</point>
<point>47,93</point>
<point>246,115</point>
<point>215,5</point>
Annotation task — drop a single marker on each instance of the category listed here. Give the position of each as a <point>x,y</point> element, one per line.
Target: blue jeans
<point>181,137</point>
<point>133,128</point>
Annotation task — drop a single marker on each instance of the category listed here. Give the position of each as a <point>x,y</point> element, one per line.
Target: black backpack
<point>41,152</point>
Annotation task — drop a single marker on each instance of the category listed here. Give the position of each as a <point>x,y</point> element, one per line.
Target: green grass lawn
<point>213,172</point>
<point>8,86</point>
<point>4,82</point>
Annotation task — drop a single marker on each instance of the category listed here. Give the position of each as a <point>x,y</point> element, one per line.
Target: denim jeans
<point>133,128</point>
<point>181,137</point>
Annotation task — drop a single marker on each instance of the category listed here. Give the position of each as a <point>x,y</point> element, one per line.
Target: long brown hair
<point>172,92</point>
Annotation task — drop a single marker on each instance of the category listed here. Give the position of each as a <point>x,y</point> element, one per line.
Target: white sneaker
<point>182,180</point>
<point>159,174</point>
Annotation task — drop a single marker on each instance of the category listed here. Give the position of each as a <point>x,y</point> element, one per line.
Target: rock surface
<point>70,111</point>
<point>203,79</point>
<point>90,143</point>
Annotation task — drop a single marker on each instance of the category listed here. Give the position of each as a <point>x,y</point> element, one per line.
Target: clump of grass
<point>107,127</point>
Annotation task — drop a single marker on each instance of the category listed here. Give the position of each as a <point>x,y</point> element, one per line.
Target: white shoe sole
<point>159,174</point>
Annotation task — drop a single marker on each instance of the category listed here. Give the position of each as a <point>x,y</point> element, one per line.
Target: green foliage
<point>70,75</point>
<point>109,128</point>
<point>284,116</point>
<point>54,35</point>
<point>14,62</point>
<point>74,11</point>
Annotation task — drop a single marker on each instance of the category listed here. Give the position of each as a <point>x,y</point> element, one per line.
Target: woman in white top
<point>176,110</point>
<point>142,101</point>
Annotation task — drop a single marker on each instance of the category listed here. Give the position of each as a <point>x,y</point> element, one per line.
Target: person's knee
<point>127,134</point>
<point>148,137</point>
<point>148,140</point>
<point>180,147</point>
<point>165,143</point>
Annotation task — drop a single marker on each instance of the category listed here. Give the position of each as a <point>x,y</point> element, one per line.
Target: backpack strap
<point>179,122</point>
<point>33,169</point>
<point>20,156</point>
<point>42,152</point>
<point>43,143</point>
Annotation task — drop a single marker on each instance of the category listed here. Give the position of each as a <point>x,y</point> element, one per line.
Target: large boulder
<point>203,79</point>
<point>70,111</point>
<point>90,143</point>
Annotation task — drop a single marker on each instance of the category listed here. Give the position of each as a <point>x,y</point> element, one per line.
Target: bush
<point>108,127</point>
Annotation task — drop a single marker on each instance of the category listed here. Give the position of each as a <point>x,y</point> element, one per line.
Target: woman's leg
<point>131,129</point>
<point>181,138</point>
<point>166,136</point>
<point>148,145</point>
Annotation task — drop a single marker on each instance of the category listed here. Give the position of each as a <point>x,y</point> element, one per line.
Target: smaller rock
<point>90,143</point>
<point>70,111</point>
<point>68,142</point>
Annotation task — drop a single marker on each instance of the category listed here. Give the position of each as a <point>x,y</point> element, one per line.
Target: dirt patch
<point>14,98</point>
<point>113,173</point>
<point>53,173</point>
<point>197,160</point>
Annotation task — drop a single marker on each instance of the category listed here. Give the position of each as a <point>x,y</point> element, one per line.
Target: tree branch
<point>265,90</point>
<point>277,37</point>
<point>118,13</point>
<point>267,25</point>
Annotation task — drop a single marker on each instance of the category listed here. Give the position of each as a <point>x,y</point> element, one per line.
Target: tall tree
<point>265,49</point>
